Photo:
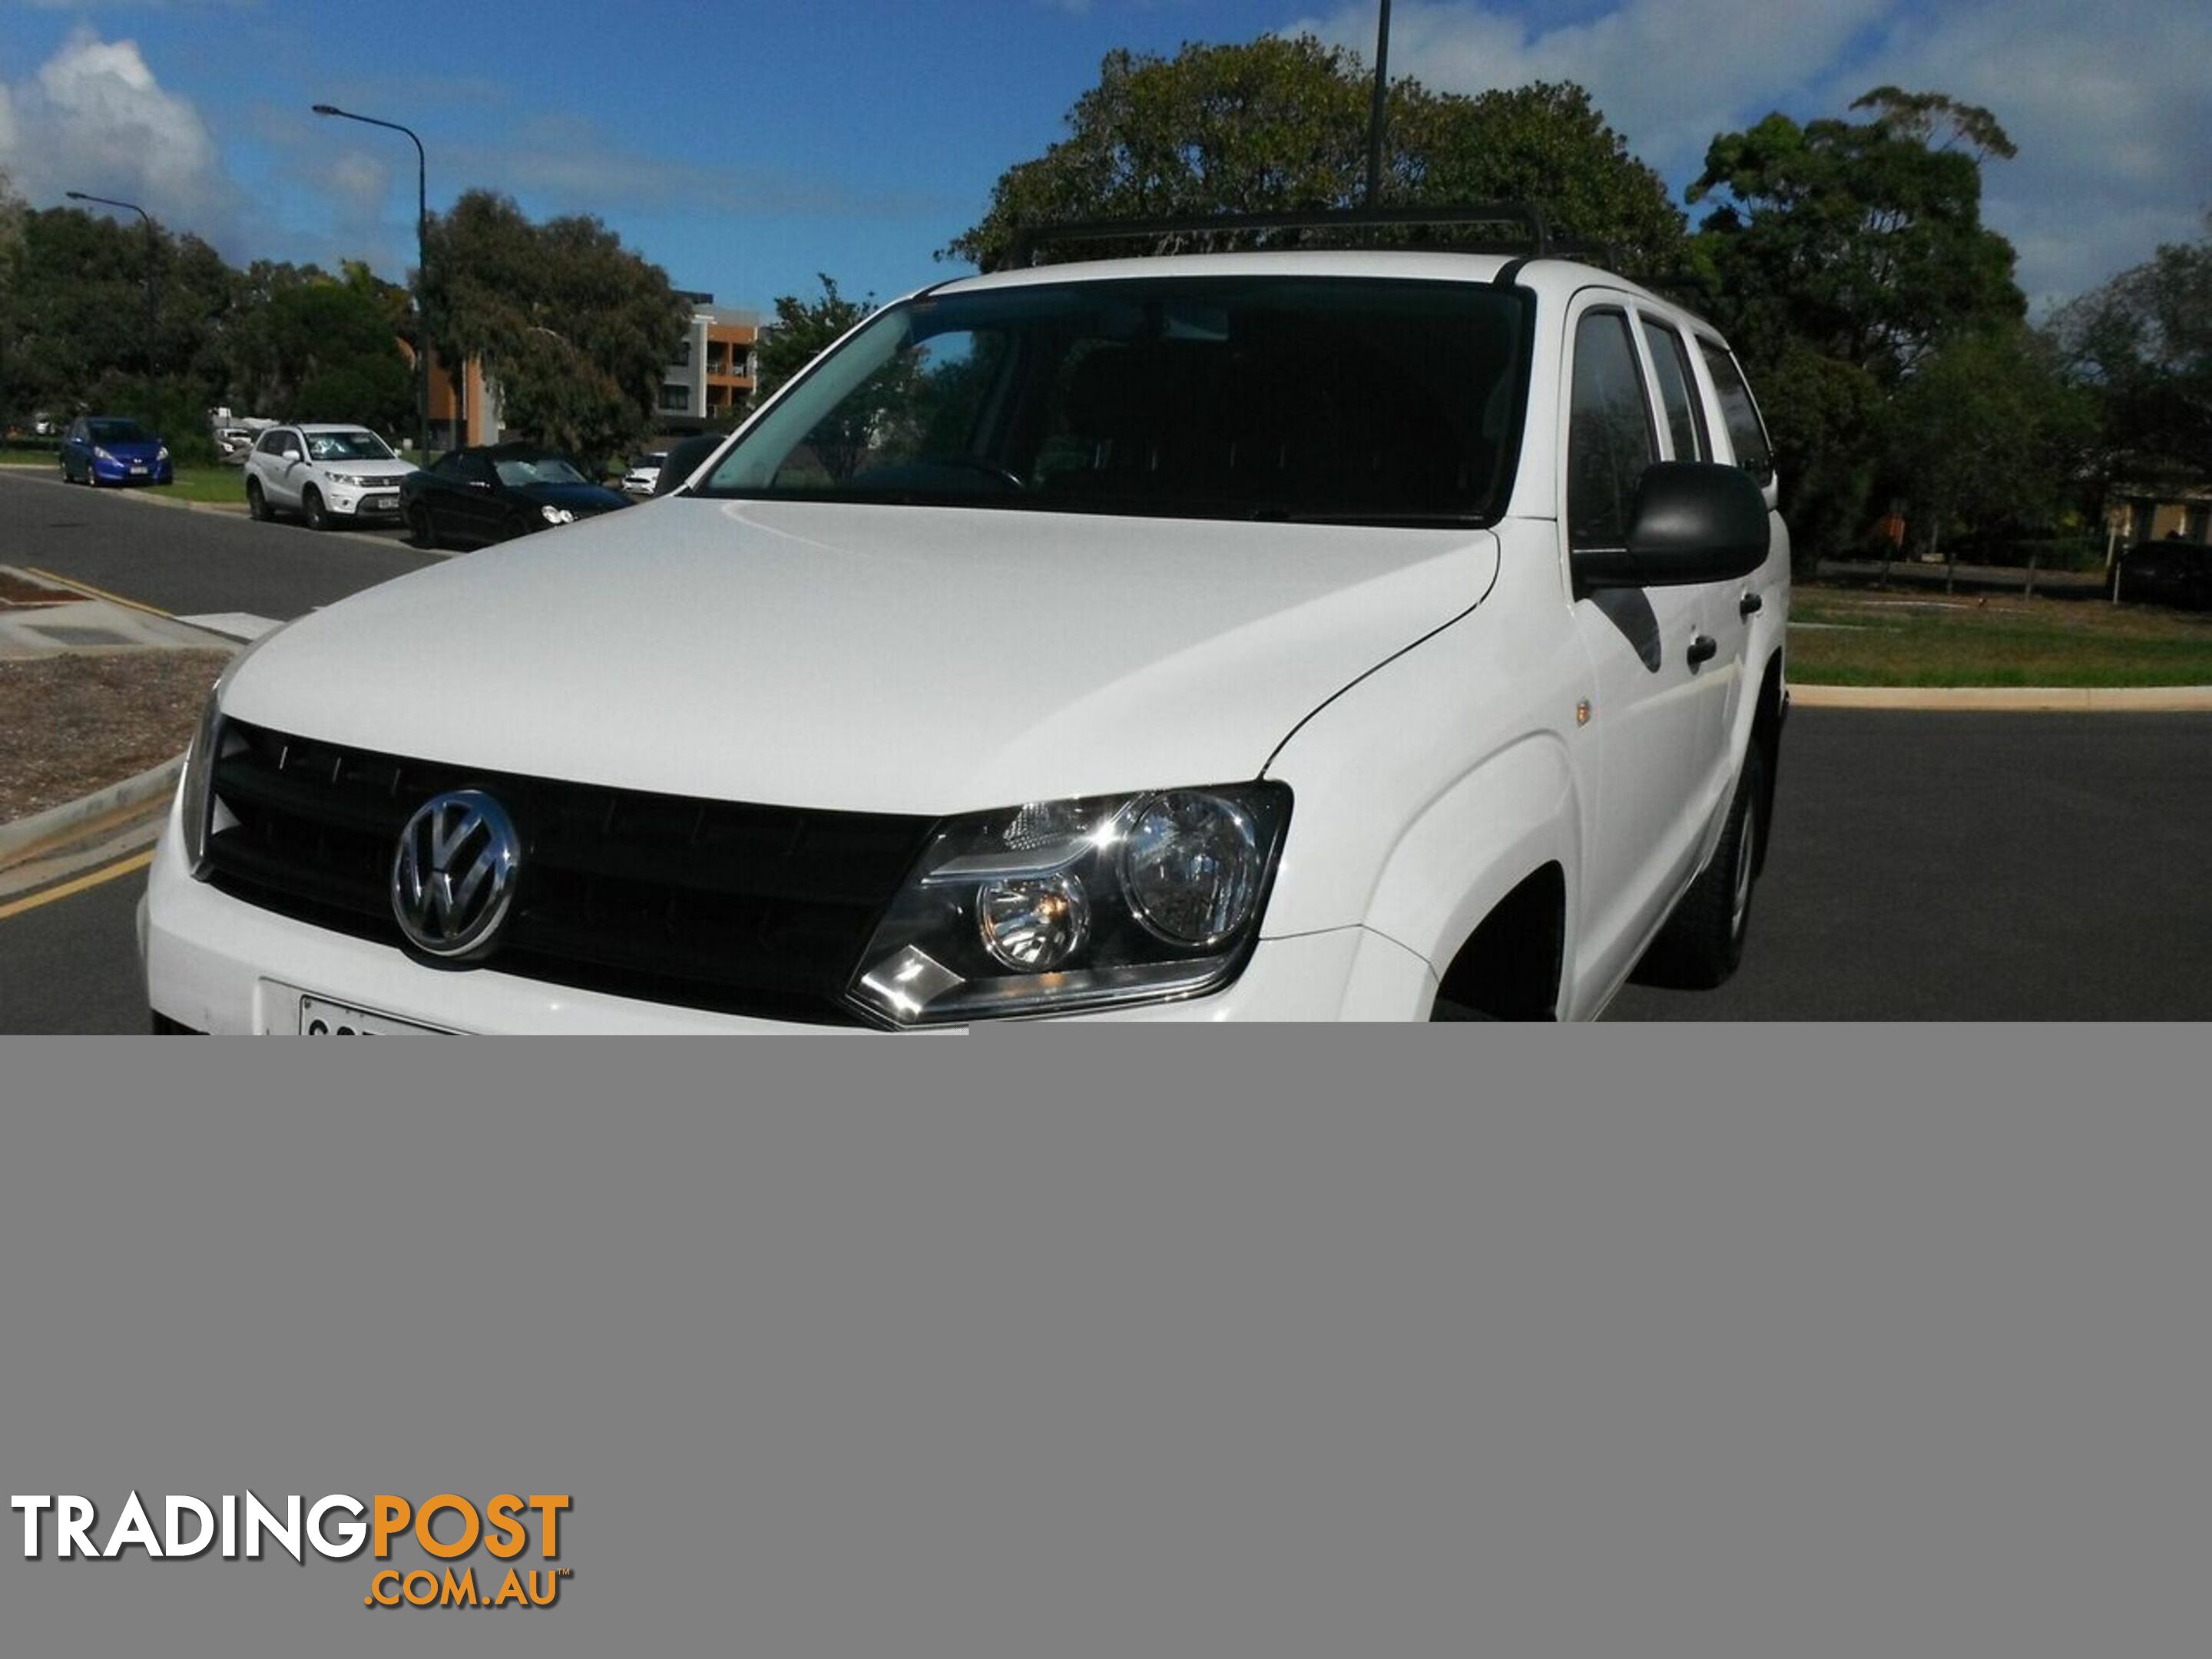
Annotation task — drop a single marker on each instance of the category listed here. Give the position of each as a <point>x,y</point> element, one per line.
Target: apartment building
<point>713,374</point>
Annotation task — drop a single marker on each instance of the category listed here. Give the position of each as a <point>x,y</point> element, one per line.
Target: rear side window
<point>1678,395</point>
<point>1747,432</point>
<point>1609,441</point>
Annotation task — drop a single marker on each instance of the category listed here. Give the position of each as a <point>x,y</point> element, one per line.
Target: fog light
<point>1033,925</point>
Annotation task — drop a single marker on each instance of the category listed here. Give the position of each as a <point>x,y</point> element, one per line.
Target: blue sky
<point>745,146</point>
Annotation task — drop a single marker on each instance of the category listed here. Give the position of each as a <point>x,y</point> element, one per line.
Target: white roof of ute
<point>1549,276</point>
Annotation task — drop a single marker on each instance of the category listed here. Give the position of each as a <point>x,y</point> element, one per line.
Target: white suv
<point>1374,635</point>
<point>327,474</point>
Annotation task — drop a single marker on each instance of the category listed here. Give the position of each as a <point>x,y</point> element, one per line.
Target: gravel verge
<point>74,724</point>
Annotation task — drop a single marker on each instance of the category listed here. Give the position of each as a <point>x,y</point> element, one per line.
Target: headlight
<point>200,813</point>
<point>353,480</point>
<point>557,514</point>
<point>100,454</point>
<point>199,776</point>
<point>1059,906</point>
<point>161,455</point>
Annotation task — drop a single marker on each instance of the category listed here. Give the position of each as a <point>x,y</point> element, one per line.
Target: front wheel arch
<point>1510,966</point>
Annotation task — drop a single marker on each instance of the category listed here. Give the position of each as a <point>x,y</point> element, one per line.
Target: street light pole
<point>152,243</point>
<point>1375,111</point>
<point>422,275</point>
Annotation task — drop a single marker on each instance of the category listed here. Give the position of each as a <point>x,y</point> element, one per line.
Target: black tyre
<point>311,503</point>
<point>1703,940</point>
<point>257,504</point>
<point>421,528</point>
<point>91,476</point>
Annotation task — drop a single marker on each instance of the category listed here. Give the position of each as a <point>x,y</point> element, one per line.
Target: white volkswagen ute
<point>1294,635</point>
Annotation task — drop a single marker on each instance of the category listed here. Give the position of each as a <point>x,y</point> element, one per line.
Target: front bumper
<point>364,500</point>
<point>133,472</point>
<point>215,964</point>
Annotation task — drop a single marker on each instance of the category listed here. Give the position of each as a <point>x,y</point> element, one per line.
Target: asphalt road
<point>1977,866</point>
<point>189,563</point>
<point>1923,866</point>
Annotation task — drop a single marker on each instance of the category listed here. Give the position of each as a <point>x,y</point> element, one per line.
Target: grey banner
<point>1714,1341</point>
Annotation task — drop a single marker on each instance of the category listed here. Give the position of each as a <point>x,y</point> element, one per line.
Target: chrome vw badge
<point>453,876</point>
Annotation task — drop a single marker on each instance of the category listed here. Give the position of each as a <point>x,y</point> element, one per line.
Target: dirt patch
<point>71,725</point>
<point>20,592</point>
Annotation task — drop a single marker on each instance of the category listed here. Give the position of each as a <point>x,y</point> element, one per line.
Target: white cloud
<point>1668,73</point>
<point>94,119</point>
<point>2110,106</point>
<point>356,185</point>
<point>2111,110</point>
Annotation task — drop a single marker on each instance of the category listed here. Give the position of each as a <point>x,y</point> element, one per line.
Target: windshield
<point>537,470</point>
<point>1251,398</point>
<point>118,432</point>
<point>348,447</point>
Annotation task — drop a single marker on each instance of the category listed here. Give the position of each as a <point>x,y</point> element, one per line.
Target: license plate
<point>137,469</point>
<point>379,504</point>
<point>318,1018</point>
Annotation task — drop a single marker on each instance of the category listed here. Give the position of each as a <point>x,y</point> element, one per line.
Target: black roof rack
<point>1534,238</point>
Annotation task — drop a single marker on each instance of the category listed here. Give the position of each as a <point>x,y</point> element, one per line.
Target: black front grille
<point>709,904</point>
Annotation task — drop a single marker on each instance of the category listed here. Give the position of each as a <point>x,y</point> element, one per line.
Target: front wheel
<point>257,504</point>
<point>422,529</point>
<point>1703,940</point>
<point>311,503</point>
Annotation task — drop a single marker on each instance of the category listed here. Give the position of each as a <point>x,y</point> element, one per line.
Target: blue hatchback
<point>108,449</point>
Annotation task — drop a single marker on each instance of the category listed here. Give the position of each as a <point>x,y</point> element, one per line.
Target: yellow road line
<point>95,592</point>
<point>70,889</point>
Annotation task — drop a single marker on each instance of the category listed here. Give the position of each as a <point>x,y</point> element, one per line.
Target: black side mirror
<point>1694,522</point>
<point>684,458</point>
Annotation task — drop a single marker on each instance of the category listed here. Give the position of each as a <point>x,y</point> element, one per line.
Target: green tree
<point>308,346</point>
<point>1843,254</point>
<point>1987,433</point>
<point>1281,124</point>
<point>575,328</point>
<point>803,329</point>
<point>1861,240</point>
<point>2142,343</point>
<point>99,314</point>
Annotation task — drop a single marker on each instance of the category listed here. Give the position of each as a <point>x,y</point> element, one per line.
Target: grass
<point>1854,639</point>
<point>210,484</point>
<point>194,483</point>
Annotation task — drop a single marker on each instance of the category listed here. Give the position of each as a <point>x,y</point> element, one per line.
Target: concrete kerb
<point>2016,700</point>
<point>57,826</point>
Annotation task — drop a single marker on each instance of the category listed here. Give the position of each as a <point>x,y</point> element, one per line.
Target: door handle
<point>1750,605</point>
<point>1704,649</point>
